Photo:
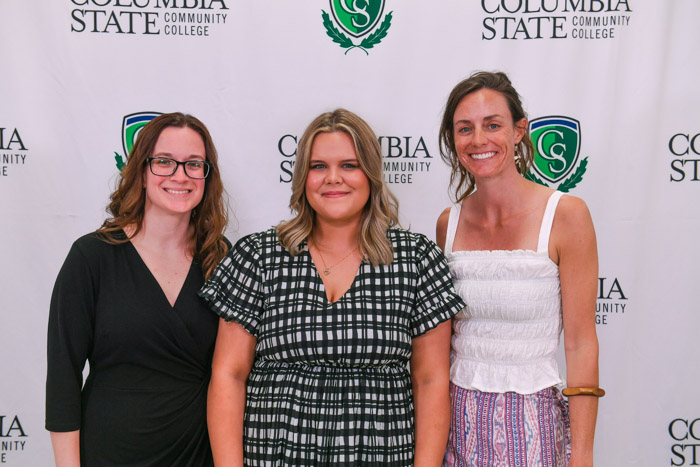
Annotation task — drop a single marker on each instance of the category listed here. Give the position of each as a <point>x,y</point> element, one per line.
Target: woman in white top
<point>524,258</point>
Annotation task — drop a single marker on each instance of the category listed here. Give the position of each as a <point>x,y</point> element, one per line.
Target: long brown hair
<point>496,81</point>
<point>381,210</point>
<point>128,201</point>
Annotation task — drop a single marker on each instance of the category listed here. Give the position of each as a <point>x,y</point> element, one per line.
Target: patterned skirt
<point>313,416</point>
<point>508,429</point>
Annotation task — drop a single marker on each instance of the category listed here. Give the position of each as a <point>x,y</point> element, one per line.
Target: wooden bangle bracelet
<point>597,392</point>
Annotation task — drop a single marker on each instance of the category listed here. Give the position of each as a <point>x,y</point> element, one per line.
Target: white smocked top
<point>507,336</point>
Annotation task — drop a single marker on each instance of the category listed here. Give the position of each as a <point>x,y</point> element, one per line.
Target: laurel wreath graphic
<point>530,175</point>
<point>567,184</point>
<point>347,43</point>
<point>118,159</point>
<point>574,180</point>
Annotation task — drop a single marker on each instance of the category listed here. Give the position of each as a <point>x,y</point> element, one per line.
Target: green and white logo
<point>131,127</point>
<point>357,18</point>
<point>557,142</point>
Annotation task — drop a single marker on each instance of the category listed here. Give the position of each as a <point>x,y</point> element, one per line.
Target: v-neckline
<point>155,281</point>
<point>313,267</point>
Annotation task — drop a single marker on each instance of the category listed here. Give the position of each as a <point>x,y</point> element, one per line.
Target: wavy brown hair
<point>496,81</point>
<point>380,212</point>
<point>128,201</point>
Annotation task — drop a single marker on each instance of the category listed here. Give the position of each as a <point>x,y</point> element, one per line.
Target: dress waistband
<point>331,366</point>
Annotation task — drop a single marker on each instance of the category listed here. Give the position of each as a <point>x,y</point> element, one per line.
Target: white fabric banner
<point>621,76</point>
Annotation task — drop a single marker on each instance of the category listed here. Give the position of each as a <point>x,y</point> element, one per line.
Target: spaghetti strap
<point>452,228</point>
<point>547,220</point>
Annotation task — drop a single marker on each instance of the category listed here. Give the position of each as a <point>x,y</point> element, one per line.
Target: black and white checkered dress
<point>330,384</point>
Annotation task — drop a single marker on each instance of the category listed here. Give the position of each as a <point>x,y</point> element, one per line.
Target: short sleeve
<point>70,339</point>
<point>436,300</point>
<point>235,289</point>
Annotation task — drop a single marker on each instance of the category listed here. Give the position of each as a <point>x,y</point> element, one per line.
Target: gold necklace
<point>327,269</point>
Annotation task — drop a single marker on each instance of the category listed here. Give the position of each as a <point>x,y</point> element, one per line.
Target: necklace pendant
<point>326,271</point>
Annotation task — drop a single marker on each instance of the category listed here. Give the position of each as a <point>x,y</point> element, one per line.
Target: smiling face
<point>177,193</point>
<point>336,187</point>
<point>484,133</point>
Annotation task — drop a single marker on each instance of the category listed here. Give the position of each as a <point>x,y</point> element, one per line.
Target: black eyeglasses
<point>165,167</point>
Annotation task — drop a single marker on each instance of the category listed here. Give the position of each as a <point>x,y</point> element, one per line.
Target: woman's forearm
<point>66,448</point>
<point>225,411</point>
<point>583,412</point>
<point>432,422</point>
<point>233,358</point>
<point>430,378</point>
<point>582,371</point>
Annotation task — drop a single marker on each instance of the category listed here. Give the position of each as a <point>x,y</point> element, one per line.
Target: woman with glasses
<point>333,347</point>
<point>126,301</point>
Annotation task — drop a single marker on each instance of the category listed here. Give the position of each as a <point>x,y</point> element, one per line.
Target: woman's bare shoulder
<point>441,228</point>
<point>573,209</point>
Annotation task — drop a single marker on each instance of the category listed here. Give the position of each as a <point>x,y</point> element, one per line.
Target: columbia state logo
<point>557,142</point>
<point>359,19</point>
<point>131,127</point>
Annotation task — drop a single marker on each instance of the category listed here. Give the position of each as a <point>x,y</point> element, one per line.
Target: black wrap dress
<point>144,401</point>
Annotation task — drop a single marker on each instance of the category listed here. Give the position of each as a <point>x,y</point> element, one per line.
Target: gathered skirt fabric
<point>508,429</point>
<point>305,415</point>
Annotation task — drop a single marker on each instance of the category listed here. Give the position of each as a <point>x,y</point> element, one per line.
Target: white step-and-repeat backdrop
<point>618,78</point>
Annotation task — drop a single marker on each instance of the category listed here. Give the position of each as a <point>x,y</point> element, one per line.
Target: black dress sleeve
<point>70,339</point>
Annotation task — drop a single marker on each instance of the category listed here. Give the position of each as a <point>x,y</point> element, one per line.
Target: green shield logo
<point>357,17</point>
<point>131,127</point>
<point>557,141</point>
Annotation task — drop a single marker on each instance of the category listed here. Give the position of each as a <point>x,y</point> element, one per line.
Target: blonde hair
<point>380,212</point>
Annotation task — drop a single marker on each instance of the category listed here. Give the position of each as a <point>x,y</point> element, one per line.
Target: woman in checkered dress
<point>333,347</point>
